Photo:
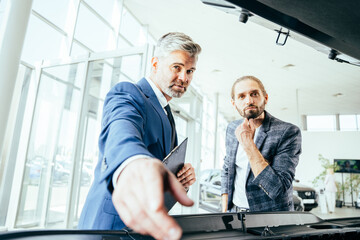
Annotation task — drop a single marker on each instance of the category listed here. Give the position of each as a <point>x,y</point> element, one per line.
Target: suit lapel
<point>147,90</point>
<point>234,143</point>
<point>262,134</point>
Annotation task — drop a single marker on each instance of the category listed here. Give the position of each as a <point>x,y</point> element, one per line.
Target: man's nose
<point>183,76</point>
<point>249,100</point>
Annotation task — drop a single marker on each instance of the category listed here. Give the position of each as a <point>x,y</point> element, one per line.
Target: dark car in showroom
<point>210,193</point>
<point>308,195</point>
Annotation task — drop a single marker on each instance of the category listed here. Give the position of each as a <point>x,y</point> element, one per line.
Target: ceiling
<point>299,78</point>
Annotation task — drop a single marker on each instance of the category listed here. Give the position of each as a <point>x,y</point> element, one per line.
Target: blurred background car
<point>210,193</point>
<point>308,195</point>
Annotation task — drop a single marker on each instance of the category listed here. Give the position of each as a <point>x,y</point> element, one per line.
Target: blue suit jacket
<point>133,123</point>
<point>280,144</point>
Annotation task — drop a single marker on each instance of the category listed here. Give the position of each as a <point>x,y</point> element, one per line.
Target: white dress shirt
<point>242,164</point>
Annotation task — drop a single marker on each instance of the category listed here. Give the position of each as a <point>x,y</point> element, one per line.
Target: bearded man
<point>262,153</point>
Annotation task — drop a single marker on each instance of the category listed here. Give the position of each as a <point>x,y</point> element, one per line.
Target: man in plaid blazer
<point>262,153</point>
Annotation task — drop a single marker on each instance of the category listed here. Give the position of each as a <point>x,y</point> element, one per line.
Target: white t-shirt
<point>242,164</point>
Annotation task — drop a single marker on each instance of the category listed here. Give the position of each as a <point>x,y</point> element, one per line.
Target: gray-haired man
<point>137,131</point>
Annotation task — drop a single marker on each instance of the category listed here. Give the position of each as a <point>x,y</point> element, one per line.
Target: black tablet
<point>174,161</point>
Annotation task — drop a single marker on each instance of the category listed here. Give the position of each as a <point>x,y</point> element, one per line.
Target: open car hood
<point>329,26</point>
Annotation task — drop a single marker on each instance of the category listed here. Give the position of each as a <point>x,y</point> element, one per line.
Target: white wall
<point>332,145</point>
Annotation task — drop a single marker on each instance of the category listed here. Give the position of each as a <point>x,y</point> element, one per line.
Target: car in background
<point>308,195</point>
<point>210,192</point>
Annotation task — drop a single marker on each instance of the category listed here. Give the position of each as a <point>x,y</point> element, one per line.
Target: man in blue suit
<point>137,132</point>
<point>262,153</point>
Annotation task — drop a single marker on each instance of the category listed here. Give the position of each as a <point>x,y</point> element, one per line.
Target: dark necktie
<point>172,123</point>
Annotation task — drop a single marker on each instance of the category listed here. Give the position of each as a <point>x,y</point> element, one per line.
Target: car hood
<point>302,187</point>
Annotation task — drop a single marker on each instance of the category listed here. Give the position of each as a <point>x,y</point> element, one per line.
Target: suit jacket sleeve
<point>123,124</point>
<point>277,177</point>
<point>225,170</point>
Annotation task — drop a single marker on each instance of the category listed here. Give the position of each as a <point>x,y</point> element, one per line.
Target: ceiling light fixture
<point>244,15</point>
<point>337,94</point>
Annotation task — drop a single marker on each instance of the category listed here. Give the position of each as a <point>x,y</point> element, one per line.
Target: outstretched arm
<point>139,198</point>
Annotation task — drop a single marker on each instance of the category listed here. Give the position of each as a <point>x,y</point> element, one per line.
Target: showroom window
<point>42,41</point>
<point>93,32</point>
<point>55,11</point>
<point>349,122</point>
<point>107,9</point>
<point>132,30</point>
<point>321,123</point>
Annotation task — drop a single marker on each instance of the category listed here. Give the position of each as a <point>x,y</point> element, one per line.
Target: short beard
<point>174,94</point>
<point>252,113</point>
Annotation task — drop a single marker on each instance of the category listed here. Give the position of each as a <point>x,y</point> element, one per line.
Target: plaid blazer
<point>280,144</point>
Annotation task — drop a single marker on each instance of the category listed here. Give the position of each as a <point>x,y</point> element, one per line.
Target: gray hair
<point>176,41</point>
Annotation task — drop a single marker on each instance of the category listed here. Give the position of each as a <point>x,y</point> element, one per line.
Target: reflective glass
<point>321,123</point>
<point>2,13</point>
<point>124,78</point>
<point>50,154</point>
<point>73,73</point>
<point>131,29</point>
<point>63,161</point>
<point>90,157</point>
<point>42,42</point>
<point>122,43</point>
<point>56,11</point>
<point>348,122</point>
<point>131,66</point>
<point>181,127</point>
<point>92,32</point>
<point>105,8</point>
<point>78,50</point>
<point>102,74</point>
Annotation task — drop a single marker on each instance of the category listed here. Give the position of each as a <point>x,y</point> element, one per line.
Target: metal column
<point>16,17</point>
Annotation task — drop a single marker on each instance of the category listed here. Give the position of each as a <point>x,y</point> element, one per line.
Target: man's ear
<point>154,63</point>
<point>232,102</point>
<point>266,98</point>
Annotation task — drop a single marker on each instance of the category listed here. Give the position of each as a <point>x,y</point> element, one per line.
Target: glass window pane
<point>42,42</point>
<point>2,13</point>
<point>56,11</point>
<point>123,78</point>
<point>78,50</point>
<point>62,166</point>
<point>131,29</point>
<point>122,43</point>
<point>181,127</point>
<point>103,74</point>
<point>93,33</point>
<point>358,122</point>
<point>347,122</point>
<point>90,159</point>
<point>105,8</point>
<point>321,123</point>
<point>50,154</point>
<point>131,67</point>
<point>151,40</point>
<point>73,73</point>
